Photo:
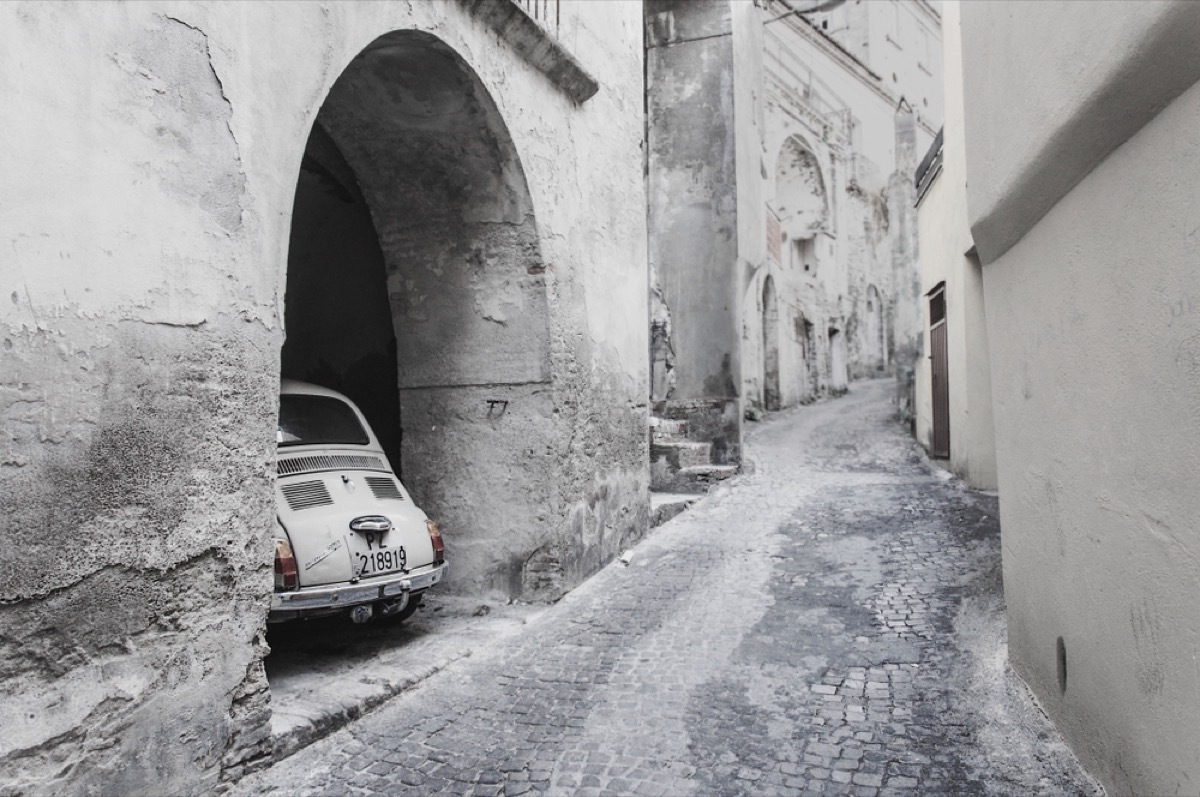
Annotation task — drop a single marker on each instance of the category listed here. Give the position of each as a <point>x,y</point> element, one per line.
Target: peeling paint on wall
<point>156,157</point>
<point>180,91</point>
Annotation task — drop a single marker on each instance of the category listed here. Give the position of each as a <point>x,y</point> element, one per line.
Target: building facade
<point>1083,189</point>
<point>953,381</point>
<point>437,208</point>
<point>849,93</point>
<point>781,151</point>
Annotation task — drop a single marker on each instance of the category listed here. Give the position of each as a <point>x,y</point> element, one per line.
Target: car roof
<point>291,387</point>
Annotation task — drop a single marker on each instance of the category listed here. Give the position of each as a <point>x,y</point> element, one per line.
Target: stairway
<point>681,466</point>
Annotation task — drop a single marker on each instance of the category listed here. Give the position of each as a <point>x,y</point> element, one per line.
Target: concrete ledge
<point>1084,84</point>
<point>535,45</point>
<point>295,728</point>
<point>664,506</point>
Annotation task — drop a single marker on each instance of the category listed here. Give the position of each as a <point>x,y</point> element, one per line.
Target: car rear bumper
<point>338,596</point>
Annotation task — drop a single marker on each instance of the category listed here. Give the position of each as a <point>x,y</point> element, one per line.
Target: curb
<point>307,729</point>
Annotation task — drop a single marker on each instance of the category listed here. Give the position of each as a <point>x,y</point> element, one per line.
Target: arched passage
<point>876,361</point>
<point>417,287</point>
<point>770,345</point>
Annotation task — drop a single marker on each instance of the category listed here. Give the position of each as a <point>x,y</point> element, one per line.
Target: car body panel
<point>325,547</point>
<point>365,591</point>
<point>320,490</point>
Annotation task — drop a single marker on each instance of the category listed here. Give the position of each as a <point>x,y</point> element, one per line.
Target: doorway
<point>939,367</point>
<point>838,379</point>
<point>807,383</point>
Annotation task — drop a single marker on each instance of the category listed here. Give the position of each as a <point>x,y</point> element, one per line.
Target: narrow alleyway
<point>829,624</point>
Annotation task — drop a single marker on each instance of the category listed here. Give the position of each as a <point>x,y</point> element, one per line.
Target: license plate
<point>376,563</point>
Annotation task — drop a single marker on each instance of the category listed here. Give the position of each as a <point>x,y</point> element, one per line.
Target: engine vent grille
<point>318,462</point>
<point>304,495</point>
<point>384,487</point>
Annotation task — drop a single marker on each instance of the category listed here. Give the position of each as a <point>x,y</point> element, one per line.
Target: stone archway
<point>419,283</point>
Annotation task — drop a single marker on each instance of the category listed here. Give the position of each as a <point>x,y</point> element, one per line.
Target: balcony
<point>530,27</point>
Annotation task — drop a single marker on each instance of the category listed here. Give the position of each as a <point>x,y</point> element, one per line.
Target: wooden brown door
<point>939,374</point>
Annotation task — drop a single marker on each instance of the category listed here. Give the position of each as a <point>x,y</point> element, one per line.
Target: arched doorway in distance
<point>772,400</point>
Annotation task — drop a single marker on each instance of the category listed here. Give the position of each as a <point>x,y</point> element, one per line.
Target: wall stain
<point>1146,623</point>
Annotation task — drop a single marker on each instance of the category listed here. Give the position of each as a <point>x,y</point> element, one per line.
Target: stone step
<point>709,474</point>
<point>664,506</point>
<point>694,479</point>
<point>667,429</point>
<point>682,453</point>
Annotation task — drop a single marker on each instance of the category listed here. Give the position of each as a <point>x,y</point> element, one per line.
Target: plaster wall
<point>945,241</point>
<point>1095,345</point>
<point>155,148</point>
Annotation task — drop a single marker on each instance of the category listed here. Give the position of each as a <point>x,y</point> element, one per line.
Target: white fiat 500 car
<point>348,536</point>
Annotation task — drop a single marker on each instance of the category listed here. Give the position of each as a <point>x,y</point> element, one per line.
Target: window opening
<point>937,305</point>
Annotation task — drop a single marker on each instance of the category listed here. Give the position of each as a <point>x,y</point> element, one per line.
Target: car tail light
<point>287,575</point>
<point>439,547</point>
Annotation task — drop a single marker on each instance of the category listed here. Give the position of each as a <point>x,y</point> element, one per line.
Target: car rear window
<point>318,420</point>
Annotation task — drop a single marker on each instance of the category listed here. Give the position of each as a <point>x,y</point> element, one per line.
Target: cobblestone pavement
<point>829,624</point>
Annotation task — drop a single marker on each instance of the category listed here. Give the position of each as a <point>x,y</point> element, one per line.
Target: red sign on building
<point>774,236</point>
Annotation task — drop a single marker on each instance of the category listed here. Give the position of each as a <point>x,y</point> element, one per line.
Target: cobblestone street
<point>831,623</point>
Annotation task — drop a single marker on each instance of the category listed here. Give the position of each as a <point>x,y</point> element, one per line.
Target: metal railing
<point>546,12</point>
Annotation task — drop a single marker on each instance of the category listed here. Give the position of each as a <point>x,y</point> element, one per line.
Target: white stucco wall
<point>1094,323</point>
<point>155,149</point>
<point>944,241</point>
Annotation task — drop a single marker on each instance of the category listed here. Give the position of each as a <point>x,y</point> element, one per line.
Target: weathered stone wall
<point>155,148</point>
<point>139,390</point>
<point>693,196</point>
<point>908,316</point>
